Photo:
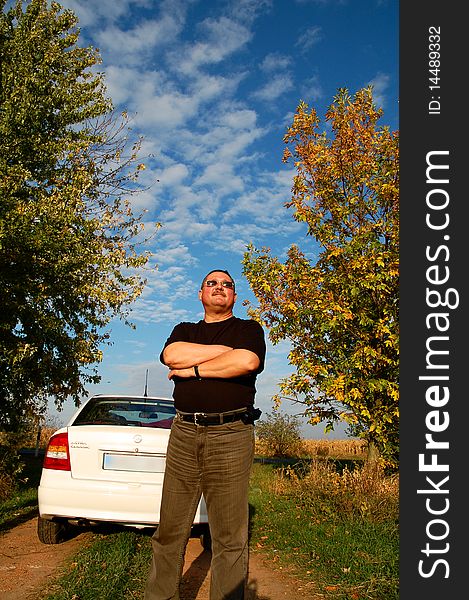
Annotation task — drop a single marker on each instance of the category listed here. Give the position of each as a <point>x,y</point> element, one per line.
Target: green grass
<point>19,508</point>
<point>347,555</point>
<point>113,565</point>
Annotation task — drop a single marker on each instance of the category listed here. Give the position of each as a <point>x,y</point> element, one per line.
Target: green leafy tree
<point>339,312</point>
<point>71,257</point>
<point>279,435</point>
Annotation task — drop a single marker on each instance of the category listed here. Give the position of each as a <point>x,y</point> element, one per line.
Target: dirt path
<point>26,564</point>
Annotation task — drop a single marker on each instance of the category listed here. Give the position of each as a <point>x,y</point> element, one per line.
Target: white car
<point>107,465</point>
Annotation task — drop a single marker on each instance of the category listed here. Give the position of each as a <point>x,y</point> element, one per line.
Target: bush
<point>279,435</point>
<point>30,432</point>
<point>11,464</point>
<point>365,493</point>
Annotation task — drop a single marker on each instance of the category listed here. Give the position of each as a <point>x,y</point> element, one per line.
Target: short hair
<point>217,271</point>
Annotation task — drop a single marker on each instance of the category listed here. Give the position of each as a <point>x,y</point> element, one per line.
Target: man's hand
<point>183,373</point>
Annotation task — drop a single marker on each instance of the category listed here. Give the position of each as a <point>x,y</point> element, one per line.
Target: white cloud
<point>209,87</point>
<point>181,224</point>
<point>239,119</point>
<point>311,90</point>
<point>166,110</point>
<point>275,62</point>
<point>145,201</point>
<point>220,175</point>
<point>247,11</point>
<point>155,311</point>
<point>309,38</point>
<point>161,105</point>
<point>89,11</point>
<point>222,37</point>
<point>177,255</point>
<point>273,89</point>
<point>133,46</point>
<point>380,85</point>
<point>265,202</point>
<point>173,175</point>
<point>125,84</point>
<point>93,13</point>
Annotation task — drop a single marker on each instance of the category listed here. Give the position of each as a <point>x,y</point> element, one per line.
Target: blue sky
<point>212,86</point>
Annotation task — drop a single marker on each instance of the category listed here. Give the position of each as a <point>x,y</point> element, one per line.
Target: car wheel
<point>206,539</point>
<point>51,532</point>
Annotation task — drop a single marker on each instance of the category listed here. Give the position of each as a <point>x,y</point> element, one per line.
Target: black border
<point>428,128</point>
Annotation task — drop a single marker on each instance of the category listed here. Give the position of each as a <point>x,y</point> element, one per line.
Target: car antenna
<point>145,393</point>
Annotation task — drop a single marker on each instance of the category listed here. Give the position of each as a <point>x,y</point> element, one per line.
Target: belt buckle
<point>197,416</point>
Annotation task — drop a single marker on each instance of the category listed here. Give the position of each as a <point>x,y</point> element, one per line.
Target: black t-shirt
<point>218,395</point>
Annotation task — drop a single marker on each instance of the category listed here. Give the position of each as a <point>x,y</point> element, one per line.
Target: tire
<point>206,539</point>
<point>51,532</point>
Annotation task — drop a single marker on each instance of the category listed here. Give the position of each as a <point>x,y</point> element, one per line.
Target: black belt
<point>212,418</point>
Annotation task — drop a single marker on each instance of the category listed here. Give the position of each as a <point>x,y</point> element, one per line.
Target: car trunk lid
<point>133,454</point>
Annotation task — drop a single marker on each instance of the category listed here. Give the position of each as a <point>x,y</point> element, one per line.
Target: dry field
<point>349,448</point>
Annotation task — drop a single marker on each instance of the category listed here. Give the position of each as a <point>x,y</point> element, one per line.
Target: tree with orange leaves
<point>339,313</point>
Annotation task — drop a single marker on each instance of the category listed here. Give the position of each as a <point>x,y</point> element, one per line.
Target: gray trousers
<point>215,461</point>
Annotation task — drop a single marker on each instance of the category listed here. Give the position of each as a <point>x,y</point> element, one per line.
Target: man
<point>213,364</point>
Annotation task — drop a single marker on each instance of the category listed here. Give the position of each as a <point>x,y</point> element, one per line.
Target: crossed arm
<point>213,360</point>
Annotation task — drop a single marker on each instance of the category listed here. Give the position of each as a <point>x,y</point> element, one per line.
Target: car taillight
<point>57,455</point>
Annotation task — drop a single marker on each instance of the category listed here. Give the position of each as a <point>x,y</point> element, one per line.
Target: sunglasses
<point>226,284</point>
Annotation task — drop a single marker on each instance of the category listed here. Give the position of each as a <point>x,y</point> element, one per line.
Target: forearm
<point>234,363</point>
<point>181,355</point>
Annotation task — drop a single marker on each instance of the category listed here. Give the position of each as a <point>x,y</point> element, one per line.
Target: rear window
<point>150,412</point>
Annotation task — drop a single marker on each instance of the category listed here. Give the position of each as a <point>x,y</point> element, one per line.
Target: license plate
<point>143,463</point>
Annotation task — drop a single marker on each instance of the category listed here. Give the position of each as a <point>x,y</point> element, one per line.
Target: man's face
<point>216,292</point>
